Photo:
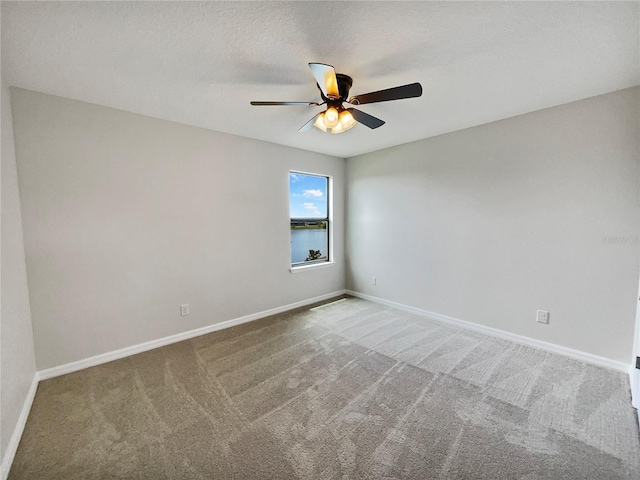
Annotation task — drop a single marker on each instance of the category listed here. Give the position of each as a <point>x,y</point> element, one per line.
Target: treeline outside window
<point>309,214</point>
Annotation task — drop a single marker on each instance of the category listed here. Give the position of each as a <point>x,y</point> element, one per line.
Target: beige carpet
<point>350,389</point>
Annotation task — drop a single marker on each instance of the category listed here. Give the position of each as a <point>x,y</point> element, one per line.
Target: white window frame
<point>300,268</point>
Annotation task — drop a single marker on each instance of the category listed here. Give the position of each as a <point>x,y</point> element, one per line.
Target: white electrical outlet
<point>542,316</point>
<point>373,280</point>
<point>184,309</point>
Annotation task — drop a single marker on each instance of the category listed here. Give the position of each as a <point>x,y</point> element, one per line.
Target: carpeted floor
<point>349,389</point>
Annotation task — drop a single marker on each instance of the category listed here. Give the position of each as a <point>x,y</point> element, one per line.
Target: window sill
<point>307,268</point>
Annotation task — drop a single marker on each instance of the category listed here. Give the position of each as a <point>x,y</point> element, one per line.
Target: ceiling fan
<point>334,90</point>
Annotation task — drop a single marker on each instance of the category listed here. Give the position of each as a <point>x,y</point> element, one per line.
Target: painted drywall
<point>492,223</point>
<point>17,359</point>
<point>127,217</point>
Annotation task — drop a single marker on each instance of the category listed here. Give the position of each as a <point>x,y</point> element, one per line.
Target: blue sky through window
<point>307,196</point>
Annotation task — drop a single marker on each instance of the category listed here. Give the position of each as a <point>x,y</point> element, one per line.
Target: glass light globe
<point>346,120</point>
<point>338,128</point>
<point>319,123</point>
<point>331,117</point>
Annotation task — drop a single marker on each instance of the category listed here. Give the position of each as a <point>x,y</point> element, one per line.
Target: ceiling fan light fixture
<point>335,120</point>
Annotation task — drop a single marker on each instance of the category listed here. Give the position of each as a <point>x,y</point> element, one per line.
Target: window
<point>309,213</point>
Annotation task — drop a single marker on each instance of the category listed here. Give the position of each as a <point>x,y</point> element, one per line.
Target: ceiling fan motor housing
<point>344,85</point>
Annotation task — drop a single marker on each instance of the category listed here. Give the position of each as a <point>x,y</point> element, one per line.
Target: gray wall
<point>491,223</point>
<point>17,360</point>
<point>128,217</point>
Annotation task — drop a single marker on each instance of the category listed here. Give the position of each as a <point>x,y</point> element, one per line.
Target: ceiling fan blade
<point>396,93</point>
<point>290,104</point>
<point>325,75</point>
<point>309,125</point>
<point>366,119</point>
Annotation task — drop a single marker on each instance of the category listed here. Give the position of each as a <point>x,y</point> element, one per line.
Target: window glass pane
<point>309,212</point>
<point>309,242</point>
<point>308,195</point>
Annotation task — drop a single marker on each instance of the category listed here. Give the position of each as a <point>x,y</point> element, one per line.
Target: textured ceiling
<point>201,63</point>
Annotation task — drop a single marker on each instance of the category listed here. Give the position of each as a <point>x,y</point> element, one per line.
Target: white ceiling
<point>201,63</point>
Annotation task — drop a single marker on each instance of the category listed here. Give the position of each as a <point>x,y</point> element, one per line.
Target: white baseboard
<point>494,332</point>
<point>161,342</point>
<point>634,378</point>
<point>7,460</point>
